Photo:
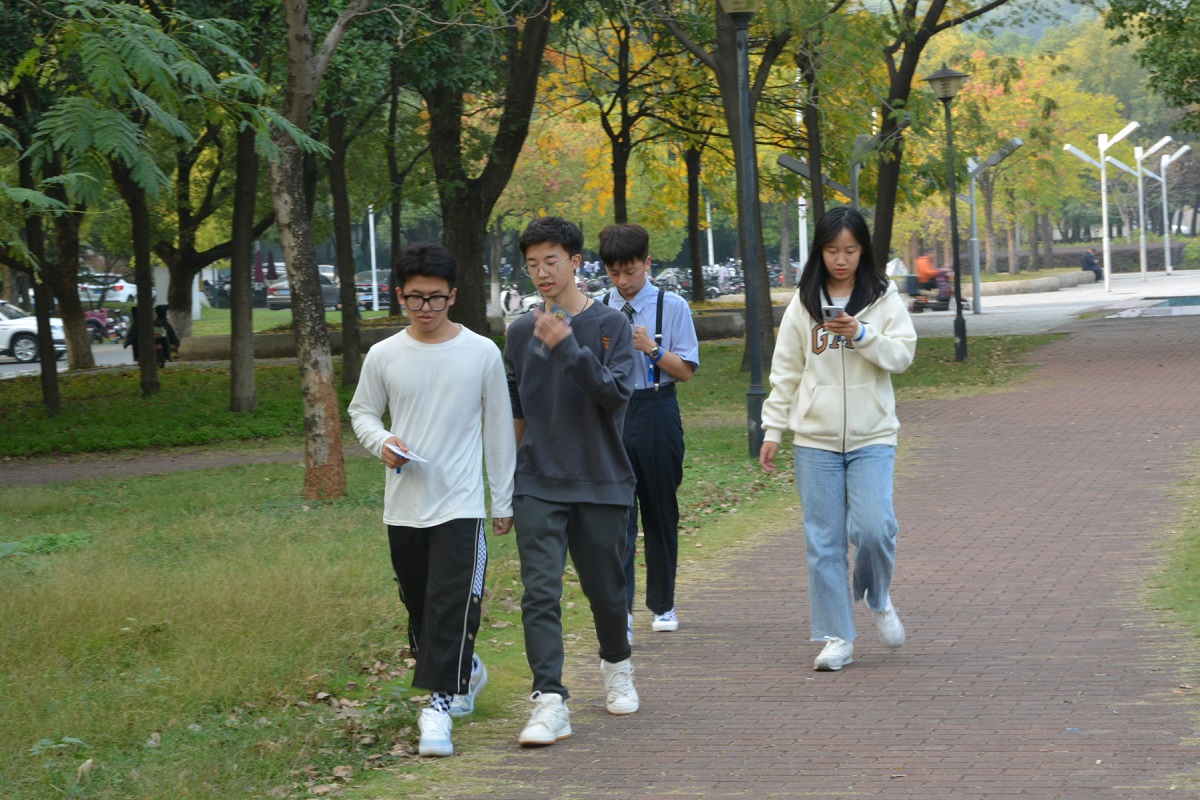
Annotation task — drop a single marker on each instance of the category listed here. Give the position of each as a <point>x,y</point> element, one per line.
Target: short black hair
<point>426,258</point>
<point>554,230</point>
<point>624,243</point>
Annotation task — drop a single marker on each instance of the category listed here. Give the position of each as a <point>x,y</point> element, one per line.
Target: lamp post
<point>974,171</point>
<point>1162,178</point>
<point>945,84</point>
<point>1140,155</point>
<point>741,12</point>
<point>1103,143</point>
<point>802,242</point>
<point>374,279</point>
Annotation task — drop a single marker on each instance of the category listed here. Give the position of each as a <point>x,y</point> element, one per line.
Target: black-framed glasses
<point>549,266</point>
<point>415,302</point>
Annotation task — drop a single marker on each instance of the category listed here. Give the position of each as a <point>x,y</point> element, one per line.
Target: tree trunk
<point>139,221</point>
<point>325,470</point>
<point>35,241</point>
<point>243,394</point>
<point>805,61</point>
<point>1035,242</point>
<point>1048,235</point>
<point>467,202</point>
<point>344,246</point>
<point>691,158</point>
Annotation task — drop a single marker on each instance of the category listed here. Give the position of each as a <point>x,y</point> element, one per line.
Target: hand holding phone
<point>831,312</point>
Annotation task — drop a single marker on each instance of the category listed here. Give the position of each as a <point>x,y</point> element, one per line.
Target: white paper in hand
<point>409,454</point>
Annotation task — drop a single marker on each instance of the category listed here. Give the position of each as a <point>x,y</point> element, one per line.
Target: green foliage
<point>1171,51</point>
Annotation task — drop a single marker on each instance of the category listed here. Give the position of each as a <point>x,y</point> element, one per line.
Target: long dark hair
<point>870,280</point>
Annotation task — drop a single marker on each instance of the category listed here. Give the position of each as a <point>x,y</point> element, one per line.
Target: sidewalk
<point>1030,523</point>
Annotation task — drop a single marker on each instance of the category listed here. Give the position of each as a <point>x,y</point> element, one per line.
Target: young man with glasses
<point>569,373</point>
<point>668,353</point>
<point>445,392</point>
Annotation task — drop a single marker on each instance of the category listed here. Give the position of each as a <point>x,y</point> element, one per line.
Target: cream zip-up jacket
<point>837,395</point>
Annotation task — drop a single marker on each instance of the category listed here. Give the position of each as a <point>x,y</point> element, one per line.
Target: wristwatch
<point>656,352</point>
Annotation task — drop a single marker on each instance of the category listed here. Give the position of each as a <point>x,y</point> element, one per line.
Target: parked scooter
<point>104,325</point>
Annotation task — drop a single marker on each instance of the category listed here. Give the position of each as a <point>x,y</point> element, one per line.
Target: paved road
<point>106,355</point>
<point>1031,520</point>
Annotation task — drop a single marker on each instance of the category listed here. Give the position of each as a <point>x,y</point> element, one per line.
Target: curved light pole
<point>1166,162</point>
<point>1139,156</point>
<point>974,170</point>
<point>945,83</point>
<point>1102,144</point>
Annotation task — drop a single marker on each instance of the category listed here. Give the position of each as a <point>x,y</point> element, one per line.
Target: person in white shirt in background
<point>843,336</point>
<point>445,391</point>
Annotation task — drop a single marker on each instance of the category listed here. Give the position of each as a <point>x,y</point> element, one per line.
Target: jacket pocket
<point>822,417</point>
<point>866,414</point>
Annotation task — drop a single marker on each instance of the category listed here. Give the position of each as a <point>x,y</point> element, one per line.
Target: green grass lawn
<point>215,321</point>
<point>209,635</point>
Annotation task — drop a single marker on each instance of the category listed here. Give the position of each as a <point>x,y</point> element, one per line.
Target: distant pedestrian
<point>667,353</point>
<point>569,375</point>
<point>1089,264</point>
<point>443,390</point>
<point>844,334</point>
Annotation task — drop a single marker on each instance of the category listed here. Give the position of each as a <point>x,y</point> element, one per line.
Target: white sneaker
<point>435,733</point>
<point>891,630</point>
<point>836,654</point>
<point>629,628</point>
<point>618,679</point>
<point>463,704</point>
<point>549,722</point>
<point>665,622</point>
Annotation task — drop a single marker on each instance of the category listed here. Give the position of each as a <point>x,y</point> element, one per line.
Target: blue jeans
<point>847,499</point>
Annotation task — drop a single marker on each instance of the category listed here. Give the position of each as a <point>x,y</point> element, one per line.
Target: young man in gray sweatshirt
<point>569,368</point>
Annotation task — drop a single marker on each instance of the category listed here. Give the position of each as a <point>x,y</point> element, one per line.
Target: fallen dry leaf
<point>155,739</point>
<point>343,772</point>
<point>85,768</point>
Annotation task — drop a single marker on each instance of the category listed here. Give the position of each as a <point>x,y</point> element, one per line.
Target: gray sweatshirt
<point>573,403</point>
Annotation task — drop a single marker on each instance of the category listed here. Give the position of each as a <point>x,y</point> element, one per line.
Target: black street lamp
<point>741,12</point>
<point>945,84</point>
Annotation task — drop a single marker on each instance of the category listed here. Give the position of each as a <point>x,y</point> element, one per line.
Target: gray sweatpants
<point>594,535</point>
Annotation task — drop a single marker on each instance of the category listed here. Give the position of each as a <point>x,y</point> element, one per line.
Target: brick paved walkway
<point>1028,525</point>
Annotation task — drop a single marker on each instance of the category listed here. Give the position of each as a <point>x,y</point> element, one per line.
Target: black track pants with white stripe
<point>441,571</point>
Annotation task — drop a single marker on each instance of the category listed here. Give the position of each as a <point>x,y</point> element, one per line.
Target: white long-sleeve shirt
<point>449,403</point>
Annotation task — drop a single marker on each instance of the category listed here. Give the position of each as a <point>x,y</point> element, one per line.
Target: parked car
<point>113,288</point>
<point>362,287</point>
<point>279,293</point>
<point>18,334</point>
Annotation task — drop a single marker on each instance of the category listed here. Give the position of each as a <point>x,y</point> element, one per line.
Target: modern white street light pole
<point>1166,161</point>
<point>1140,155</point>
<point>374,279</point>
<point>1103,143</point>
<point>802,206</point>
<point>974,170</point>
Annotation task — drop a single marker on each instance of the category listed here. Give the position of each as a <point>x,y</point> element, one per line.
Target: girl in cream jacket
<point>831,386</point>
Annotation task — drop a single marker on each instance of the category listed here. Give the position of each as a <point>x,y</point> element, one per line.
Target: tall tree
<point>325,469</point>
<point>722,61</point>
<point>478,74</point>
<point>913,25</point>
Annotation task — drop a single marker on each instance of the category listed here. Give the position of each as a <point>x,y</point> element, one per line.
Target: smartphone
<point>831,312</point>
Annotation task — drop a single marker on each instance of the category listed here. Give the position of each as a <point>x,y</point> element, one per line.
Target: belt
<point>664,390</point>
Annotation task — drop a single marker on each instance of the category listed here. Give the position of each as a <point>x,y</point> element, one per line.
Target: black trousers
<point>441,572</point>
<point>653,439</point>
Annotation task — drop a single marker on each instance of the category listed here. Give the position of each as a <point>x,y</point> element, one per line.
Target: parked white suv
<point>18,334</point>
